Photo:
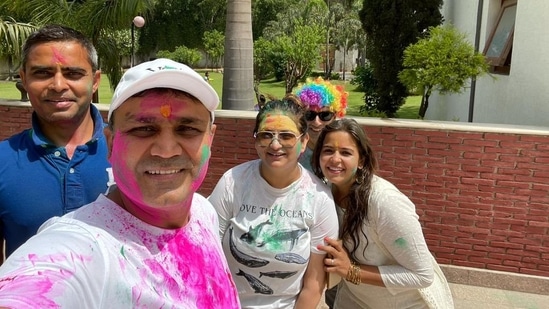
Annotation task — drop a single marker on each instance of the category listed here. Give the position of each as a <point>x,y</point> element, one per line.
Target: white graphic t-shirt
<point>268,234</point>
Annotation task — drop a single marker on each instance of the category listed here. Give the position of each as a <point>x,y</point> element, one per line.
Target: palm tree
<point>12,36</point>
<point>238,74</point>
<point>98,19</point>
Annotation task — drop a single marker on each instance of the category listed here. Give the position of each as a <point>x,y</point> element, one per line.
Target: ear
<point>96,80</point>
<point>23,77</point>
<point>212,133</point>
<point>361,163</point>
<point>304,141</point>
<point>108,136</point>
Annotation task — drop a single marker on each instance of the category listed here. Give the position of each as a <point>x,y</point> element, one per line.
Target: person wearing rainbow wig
<point>324,102</point>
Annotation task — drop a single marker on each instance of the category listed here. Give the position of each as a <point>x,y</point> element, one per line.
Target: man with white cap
<point>152,241</point>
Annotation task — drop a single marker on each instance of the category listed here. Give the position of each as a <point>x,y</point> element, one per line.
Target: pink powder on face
<point>58,58</point>
<point>124,178</point>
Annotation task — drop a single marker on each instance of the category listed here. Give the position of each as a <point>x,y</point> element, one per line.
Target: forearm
<point>308,298</point>
<point>313,283</point>
<point>368,275</point>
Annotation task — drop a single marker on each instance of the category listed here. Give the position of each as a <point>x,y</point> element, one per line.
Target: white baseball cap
<point>164,73</point>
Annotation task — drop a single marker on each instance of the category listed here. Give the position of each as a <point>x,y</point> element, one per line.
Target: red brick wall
<point>482,197</point>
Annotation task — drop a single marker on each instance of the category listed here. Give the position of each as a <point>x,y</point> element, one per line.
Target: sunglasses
<point>324,116</point>
<point>285,139</point>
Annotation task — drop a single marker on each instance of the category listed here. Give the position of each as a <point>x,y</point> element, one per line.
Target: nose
<point>275,144</point>
<point>166,146</point>
<point>335,157</point>
<point>317,120</point>
<point>59,82</point>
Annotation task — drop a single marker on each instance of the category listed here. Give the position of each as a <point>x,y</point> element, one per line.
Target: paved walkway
<point>474,297</point>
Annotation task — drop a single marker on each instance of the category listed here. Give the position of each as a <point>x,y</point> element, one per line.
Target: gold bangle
<point>353,274</point>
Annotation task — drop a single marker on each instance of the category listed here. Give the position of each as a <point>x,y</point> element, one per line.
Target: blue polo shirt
<point>39,181</point>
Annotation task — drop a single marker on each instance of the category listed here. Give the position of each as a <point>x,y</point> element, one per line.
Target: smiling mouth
<point>163,172</point>
<point>60,100</point>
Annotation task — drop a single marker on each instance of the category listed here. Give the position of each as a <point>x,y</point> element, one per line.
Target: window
<point>499,46</point>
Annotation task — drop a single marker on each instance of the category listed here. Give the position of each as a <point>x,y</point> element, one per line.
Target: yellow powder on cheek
<point>278,123</point>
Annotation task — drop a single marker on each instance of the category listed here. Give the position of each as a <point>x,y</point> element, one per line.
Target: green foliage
<point>263,50</point>
<point>269,87</point>
<point>97,19</point>
<point>265,11</point>
<point>181,23</point>
<point>390,26</point>
<point>443,61</point>
<point>333,76</point>
<point>365,81</point>
<point>181,54</point>
<point>214,44</point>
<point>12,36</point>
<point>301,53</point>
<point>296,35</point>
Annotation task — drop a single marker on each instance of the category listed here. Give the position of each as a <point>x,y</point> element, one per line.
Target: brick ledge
<point>496,279</point>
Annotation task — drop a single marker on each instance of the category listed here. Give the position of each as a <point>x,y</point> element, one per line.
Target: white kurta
<point>393,220</point>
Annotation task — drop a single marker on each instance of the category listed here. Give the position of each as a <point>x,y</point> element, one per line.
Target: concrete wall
<point>482,192</point>
<point>518,98</point>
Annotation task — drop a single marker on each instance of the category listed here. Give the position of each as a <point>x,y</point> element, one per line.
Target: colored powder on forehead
<point>166,104</point>
<point>166,110</point>
<point>58,58</point>
<point>278,123</point>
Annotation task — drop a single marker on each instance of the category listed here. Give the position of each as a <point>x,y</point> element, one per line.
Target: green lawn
<point>267,87</point>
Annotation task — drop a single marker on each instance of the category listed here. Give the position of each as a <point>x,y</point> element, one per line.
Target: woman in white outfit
<point>383,257</point>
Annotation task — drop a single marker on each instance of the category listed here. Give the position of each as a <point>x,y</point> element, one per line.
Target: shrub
<point>365,81</point>
<point>182,54</point>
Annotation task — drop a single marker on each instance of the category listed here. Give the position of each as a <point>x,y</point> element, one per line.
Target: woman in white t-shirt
<point>273,214</point>
<point>383,256</point>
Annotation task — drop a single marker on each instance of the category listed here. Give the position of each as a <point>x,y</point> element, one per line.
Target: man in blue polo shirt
<point>60,163</point>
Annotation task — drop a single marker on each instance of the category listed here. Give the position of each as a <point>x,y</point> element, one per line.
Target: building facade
<point>514,36</point>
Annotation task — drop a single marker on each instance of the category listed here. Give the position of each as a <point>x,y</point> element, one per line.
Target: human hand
<point>337,259</point>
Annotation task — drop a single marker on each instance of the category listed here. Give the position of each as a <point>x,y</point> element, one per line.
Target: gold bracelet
<point>353,274</point>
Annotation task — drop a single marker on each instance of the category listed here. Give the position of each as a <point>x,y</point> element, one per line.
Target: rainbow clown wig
<point>318,93</point>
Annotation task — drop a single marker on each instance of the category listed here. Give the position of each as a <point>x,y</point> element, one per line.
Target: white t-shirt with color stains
<point>268,234</point>
<point>100,256</point>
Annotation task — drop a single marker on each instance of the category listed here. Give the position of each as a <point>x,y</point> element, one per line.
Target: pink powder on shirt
<point>198,267</point>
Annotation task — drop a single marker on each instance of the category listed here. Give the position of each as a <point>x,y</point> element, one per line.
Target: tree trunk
<point>238,74</point>
<point>424,103</point>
